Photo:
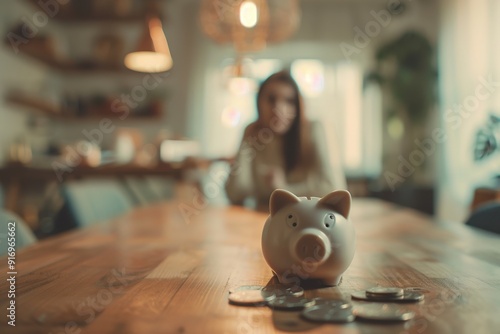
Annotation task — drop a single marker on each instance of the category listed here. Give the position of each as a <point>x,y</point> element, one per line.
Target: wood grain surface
<point>156,271</point>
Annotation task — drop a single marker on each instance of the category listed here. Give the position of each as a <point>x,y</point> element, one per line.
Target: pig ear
<point>281,198</point>
<point>338,200</point>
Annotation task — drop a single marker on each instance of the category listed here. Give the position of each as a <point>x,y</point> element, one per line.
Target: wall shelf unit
<point>101,11</point>
<point>40,107</point>
<point>42,50</point>
<point>72,68</point>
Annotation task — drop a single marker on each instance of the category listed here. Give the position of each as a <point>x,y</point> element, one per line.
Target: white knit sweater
<point>257,155</point>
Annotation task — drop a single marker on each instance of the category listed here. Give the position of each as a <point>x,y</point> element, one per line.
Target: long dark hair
<point>297,137</point>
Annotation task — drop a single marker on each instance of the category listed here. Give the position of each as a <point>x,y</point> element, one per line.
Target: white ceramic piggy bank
<point>308,238</point>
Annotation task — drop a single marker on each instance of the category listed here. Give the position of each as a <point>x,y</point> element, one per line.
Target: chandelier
<point>249,25</point>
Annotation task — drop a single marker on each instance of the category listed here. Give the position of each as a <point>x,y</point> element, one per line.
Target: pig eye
<point>291,220</point>
<point>329,220</point>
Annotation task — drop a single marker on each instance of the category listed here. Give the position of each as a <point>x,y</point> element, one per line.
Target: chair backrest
<point>92,201</point>
<point>145,190</point>
<point>9,222</point>
<point>486,217</point>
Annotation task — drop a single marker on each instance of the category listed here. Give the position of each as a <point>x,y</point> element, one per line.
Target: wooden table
<point>153,271</point>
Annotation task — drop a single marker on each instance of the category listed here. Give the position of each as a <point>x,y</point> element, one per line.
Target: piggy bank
<point>308,237</point>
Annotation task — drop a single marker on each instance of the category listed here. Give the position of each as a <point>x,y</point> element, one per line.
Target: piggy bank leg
<point>333,281</point>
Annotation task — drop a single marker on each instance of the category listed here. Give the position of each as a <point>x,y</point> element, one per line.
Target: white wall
<point>469,52</point>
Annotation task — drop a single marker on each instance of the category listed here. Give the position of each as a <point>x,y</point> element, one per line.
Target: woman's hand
<point>251,130</point>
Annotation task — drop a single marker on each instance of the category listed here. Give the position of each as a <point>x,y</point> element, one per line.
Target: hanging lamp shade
<point>250,25</point>
<point>152,54</point>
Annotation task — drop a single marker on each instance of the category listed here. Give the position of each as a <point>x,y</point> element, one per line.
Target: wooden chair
<point>145,190</point>
<point>92,201</point>
<point>486,217</point>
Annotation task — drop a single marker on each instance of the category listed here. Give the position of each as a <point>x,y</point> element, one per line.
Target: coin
<point>416,289</point>
<point>283,290</point>
<point>290,302</point>
<point>384,312</point>
<point>384,291</point>
<point>407,297</point>
<point>246,287</point>
<point>248,298</point>
<point>324,313</point>
<point>411,296</point>
<point>332,303</point>
<point>382,297</point>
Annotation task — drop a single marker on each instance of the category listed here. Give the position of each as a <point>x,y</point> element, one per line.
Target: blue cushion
<point>92,201</point>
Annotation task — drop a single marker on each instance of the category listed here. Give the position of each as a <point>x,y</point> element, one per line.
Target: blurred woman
<point>282,149</point>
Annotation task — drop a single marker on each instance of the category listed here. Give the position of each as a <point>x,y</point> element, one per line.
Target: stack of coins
<point>291,298</point>
<point>379,291</point>
<point>389,294</point>
<point>290,302</point>
<point>283,290</point>
<point>277,296</point>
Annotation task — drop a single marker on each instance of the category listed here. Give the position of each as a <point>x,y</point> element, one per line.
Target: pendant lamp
<point>152,54</point>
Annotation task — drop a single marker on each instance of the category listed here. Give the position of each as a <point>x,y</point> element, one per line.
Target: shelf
<point>42,48</point>
<point>82,12</point>
<point>37,106</point>
<point>70,19</point>
<point>48,109</point>
<point>72,67</point>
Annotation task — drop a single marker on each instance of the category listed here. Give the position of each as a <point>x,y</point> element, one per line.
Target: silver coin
<point>283,290</point>
<point>407,297</point>
<point>248,298</point>
<point>383,312</point>
<point>416,289</point>
<point>332,303</point>
<point>382,297</point>
<point>385,291</point>
<point>246,287</point>
<point>324,313</point>
<point>290,303</point>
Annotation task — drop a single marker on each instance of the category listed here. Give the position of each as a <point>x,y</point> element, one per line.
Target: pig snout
<point>310,245</point>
